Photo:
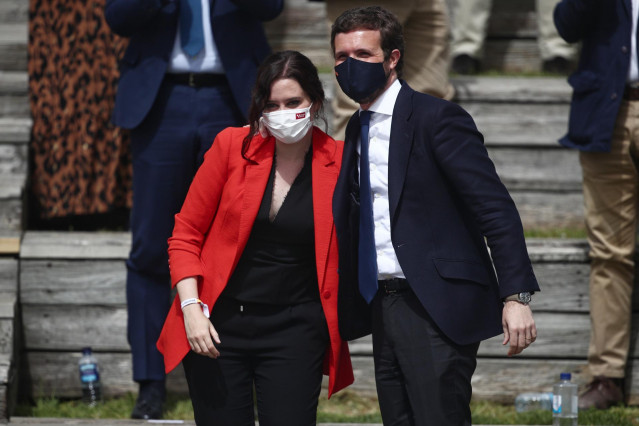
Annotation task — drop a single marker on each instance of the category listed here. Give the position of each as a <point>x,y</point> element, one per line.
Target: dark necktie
<point>191,31</point>
<point>367,267</point>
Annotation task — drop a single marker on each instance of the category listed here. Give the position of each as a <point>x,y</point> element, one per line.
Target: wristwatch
<point>524,297</point>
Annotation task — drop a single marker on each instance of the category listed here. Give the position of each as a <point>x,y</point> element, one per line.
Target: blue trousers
<point>167,149</point>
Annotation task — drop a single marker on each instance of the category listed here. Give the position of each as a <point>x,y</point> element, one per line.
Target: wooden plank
<point>14,11</point>
<point>538,169</point>
<point>8,275</point>
<point>9,245</point>
<point>13,163</point>
<point>61,327</point>
<point>520,125</point>
<point>558,336</point>
<point>12,185</point>
<point>557,250</point>
<point>56,373</point>
<point>7,386</point>
<point>15,130</point>
<point>543,210</point>
<point>14,82</point>
<point>502,379</point>
<point>14,106</point>
<point>518,90</point>
<point>73,282</point>
<point>75,245</point>
<point>10,215</point>
<point>13,46</point>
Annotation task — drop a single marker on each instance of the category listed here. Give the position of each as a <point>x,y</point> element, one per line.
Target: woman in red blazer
<point>255,244</point>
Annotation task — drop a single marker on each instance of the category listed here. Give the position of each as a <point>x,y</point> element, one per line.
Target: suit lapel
<point>628,6</point>
<point>401,143</point>
<point>256,177</point>
<point>341,199</point>
<point>324,179</point>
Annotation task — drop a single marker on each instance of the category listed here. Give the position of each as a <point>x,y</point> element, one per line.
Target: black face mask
<point>359,80</point>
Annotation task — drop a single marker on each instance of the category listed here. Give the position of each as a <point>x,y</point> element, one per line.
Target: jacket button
<point>613,96</point>
<point>327,295</point>
<point>624,49</point>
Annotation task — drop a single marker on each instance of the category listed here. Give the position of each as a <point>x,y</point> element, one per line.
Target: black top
<point>278,263</point>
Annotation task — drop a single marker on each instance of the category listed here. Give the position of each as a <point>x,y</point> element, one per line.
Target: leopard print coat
<point>80,162</point>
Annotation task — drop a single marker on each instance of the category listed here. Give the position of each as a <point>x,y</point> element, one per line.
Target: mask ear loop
<point>262,129</point>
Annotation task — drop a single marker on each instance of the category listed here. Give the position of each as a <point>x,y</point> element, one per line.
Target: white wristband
<point>193,300</point>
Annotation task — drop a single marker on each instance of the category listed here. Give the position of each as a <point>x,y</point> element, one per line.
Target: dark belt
<point>196,79</point>
<point>393,285</point>
<point>631,92</point>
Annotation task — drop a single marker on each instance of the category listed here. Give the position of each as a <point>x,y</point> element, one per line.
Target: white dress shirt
<point>379,137</point>
<point>633,72</point>
<point>207,60</point>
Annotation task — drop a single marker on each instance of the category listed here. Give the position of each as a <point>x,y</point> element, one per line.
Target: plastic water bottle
<point>89,378</point>
<point>530,401</point>
<point>565,402</point>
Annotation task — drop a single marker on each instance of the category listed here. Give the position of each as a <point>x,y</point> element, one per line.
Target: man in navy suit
<point>186,75</point>
<point>604,127</point>
<point>414,266</point>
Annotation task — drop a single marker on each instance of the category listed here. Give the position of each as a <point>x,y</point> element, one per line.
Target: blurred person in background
<point>604,127</point>
<point>470,23</point>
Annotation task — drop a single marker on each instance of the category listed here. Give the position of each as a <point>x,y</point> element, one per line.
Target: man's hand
<point>200,332</point>
<point>519,327</point>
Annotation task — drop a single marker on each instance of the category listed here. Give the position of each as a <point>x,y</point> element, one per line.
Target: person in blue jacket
<point>604,126</point>
<point>186,74</point>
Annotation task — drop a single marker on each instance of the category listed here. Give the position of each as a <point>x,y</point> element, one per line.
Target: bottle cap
<point>565,376</point>
<point>86,350</point>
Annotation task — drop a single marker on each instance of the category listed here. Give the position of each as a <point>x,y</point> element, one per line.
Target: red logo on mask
<point>300,115</point>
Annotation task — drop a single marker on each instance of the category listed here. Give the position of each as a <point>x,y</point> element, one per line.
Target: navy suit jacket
<point>604,27</point>
<point>152,26</point>
<point>446,201</point>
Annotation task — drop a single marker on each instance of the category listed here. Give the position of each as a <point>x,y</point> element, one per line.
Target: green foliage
<point>555,233</point>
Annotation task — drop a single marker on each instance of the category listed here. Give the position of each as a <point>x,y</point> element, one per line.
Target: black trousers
<point>276,350</point>
<point>422,377</point>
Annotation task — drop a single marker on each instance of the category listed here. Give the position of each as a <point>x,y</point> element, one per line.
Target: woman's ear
<point>315,110</point>
<point>262,129</point>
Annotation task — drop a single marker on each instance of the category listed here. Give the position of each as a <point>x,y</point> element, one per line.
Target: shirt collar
<point>385,103</point>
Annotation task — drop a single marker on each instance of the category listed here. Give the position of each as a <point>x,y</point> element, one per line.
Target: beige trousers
<point>611,188</point>
<point>470,19</point>
<point>426,55</point>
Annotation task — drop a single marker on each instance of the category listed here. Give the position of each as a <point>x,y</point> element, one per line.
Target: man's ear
<point>394,58</point>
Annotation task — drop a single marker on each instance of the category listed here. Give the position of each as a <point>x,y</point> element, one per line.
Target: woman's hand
<point>200,331</point>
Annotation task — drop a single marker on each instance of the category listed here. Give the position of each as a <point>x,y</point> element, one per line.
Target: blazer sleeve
<point>574,18</point>
<point>459,149</point>
<point>199,209</point>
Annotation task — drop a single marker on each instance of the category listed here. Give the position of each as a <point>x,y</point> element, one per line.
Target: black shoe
<point>150,401</point>
<point>557,65</point>
<point>465,65</point>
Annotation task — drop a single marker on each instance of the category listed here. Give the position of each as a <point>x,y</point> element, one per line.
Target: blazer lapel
<point>628,6</point>
<point>324,178</point>
<point>343,188</point>
<point>401,143</point>
<point>256,177</point>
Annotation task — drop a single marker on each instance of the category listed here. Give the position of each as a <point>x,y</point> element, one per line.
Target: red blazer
<point>215,222</point>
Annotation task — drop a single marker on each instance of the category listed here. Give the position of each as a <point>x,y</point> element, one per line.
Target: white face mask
<point>288,125</point>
